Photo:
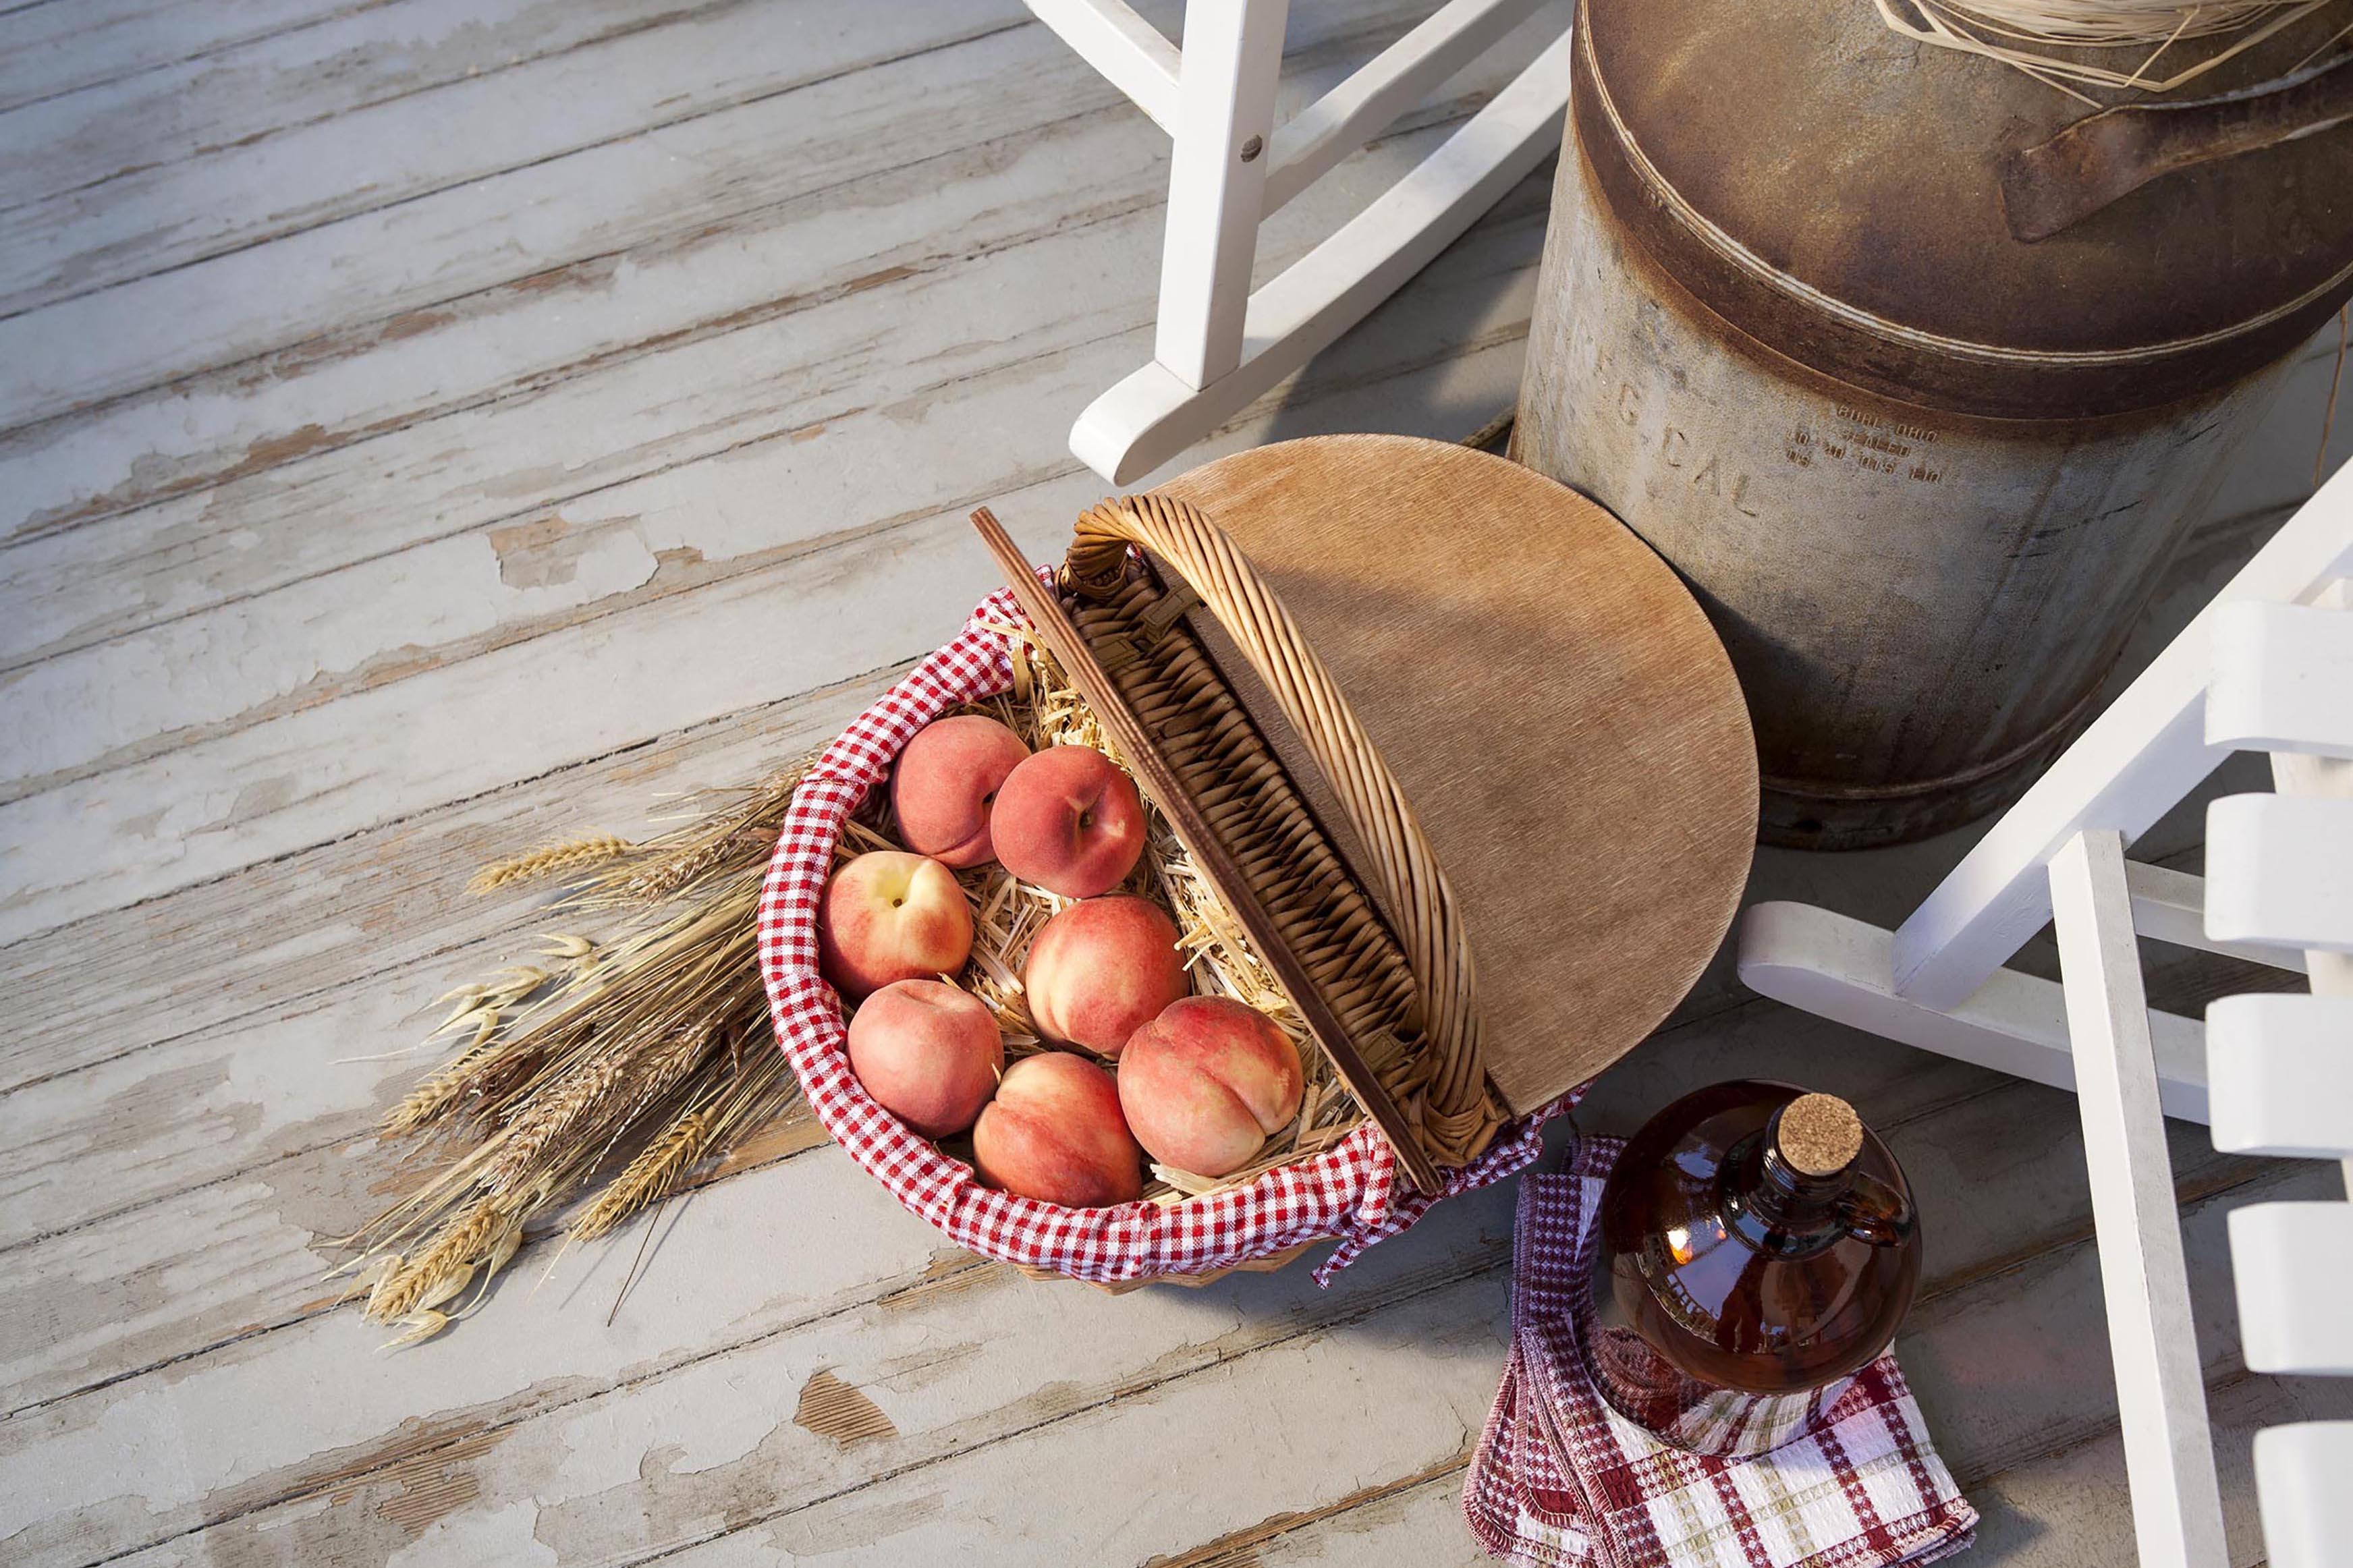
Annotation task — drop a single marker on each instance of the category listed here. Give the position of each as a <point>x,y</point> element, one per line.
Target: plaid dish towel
<point>1562,1481</point>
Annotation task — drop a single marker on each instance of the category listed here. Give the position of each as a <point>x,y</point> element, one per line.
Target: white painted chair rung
<point>2268,667</point>
<point>1217,345</point>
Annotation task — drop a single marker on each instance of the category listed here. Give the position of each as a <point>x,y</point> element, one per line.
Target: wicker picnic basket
<point>1377,971</point>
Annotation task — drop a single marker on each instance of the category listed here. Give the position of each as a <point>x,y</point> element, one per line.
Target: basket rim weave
<point>1350,1192</point>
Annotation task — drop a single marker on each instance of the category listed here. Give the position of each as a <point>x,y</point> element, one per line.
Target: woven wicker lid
<point>1551,699</point>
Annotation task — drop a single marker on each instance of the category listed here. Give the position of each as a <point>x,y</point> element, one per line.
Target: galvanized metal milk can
<point>1924,474</point>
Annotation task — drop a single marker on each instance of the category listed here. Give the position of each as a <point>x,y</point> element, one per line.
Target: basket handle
<point>1413,887</point>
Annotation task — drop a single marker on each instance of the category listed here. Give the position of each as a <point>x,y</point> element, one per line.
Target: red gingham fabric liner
<point>1349,1191</point>
<point>1561,1479</point>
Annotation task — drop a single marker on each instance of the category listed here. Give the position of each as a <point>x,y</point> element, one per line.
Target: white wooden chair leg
<point>1217,345</point>
<point>1232,60</point>
<point>2161,1392</point>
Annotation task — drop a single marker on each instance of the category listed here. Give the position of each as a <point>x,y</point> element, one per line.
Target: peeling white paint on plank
<point>782,404</point>
<point>232,1150</point>
<point>1000,1379</point>
<point>237,96</point>
<point>385,266</point>
<point>84,241</point>
<point>858,603</point>
<point>53,46</point>
<point>2005,1145</point>
<point>291,930</point>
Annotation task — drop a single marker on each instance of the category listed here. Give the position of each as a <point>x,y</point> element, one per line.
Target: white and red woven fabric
<point>1561,1479</point>
<point>1349,1191</point>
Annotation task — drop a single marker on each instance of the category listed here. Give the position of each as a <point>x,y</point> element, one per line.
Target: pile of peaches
<point>1200,1082</point>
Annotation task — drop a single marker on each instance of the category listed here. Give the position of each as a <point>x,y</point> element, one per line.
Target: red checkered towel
<point>1349,1191</point>
<point>1561,1479</point>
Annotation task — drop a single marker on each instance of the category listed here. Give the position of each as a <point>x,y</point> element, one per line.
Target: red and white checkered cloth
<point>1561,1479</point>
<point>1349,1191</point>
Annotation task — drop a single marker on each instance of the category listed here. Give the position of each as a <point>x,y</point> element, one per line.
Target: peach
<point>1054,1132</point>
<point>1069,820</point>
<point>1101,969</point>
<point>946,777</point>
<point>928,1052</point>
<point>1206,1083</point>
<point>889,916</point>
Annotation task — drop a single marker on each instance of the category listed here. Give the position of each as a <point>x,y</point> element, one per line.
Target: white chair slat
<point>2281,1071</point>
<point>2301,1476</point>
<point>2281,680</point>
<point>2279,871</point>
<point>2292,1266</point>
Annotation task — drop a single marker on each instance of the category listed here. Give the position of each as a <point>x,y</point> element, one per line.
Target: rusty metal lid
<point>1833,190</point>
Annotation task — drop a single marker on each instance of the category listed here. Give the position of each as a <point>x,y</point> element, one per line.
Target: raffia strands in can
<point>2184,41</point>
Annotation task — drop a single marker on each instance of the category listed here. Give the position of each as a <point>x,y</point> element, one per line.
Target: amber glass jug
<point>1757,1248</point>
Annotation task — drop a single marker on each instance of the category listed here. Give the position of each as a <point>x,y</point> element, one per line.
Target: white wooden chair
<point>1218,344</point>
<point>2267,666</point>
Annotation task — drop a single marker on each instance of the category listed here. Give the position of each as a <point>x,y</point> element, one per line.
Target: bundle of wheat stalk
<point>2193,38</point>
<point>623,1065</point>
<point>602,1079</point>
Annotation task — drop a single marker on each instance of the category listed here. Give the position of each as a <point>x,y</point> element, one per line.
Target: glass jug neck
<point>1776,1208</point>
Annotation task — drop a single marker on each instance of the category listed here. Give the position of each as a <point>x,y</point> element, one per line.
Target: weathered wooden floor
<point>427,425</point>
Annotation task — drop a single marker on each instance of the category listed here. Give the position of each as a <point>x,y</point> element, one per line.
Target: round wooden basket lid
<point>1554,703</point>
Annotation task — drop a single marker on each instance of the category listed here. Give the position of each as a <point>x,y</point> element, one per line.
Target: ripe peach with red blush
<point>1101,969</point>
<point>1207,1083</point>
<point>928,1052</point>
<point>890,916</point>
<point>1069,820</point>
<point>1054,1132</point>
<point>946,778</point>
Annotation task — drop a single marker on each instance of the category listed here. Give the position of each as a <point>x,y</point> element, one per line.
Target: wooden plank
<point>295,779</point>
<point>236,97</point>
<point>404,268</point>
<point>287,928</point>
<point>393,268</point>
<point>79,242</point>
<point>2177,1507</point>
<point>2293,1265</point>
<point>314,1192</point>
<point>630,343</point>
<point>2069,1509</point>
<point>48,47</point>
<point>790,374</point>
<point>936,190</point>
<point>1985,1151</point>
<point>291,930</point>
<point>211,1067</point>
<point>955,1372</point>
<point>2066,1510</point>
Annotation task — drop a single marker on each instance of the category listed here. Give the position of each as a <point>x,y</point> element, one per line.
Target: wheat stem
<point>548,859</point>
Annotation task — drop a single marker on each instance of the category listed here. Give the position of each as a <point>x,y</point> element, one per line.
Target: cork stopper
<point>1819,1134</point>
